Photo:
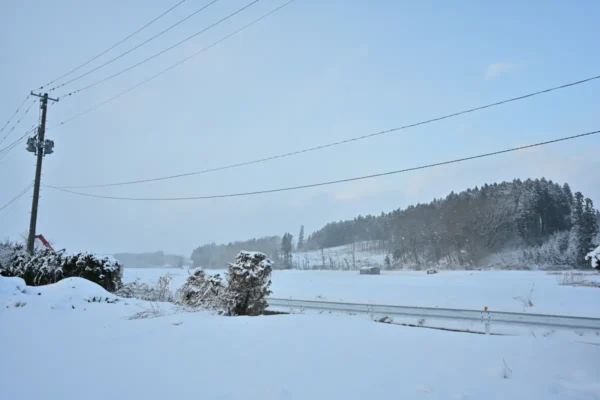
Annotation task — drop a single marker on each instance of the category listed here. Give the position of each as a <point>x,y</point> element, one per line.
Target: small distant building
<point>370,271</point>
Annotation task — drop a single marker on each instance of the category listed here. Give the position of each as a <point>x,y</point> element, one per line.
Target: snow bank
<point>196,355</point>
<point>11,286</point>
<point>68,294</point>
<point>296,357</point>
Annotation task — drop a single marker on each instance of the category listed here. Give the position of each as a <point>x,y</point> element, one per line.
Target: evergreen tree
<point>590,224</point>
<point>286,249</point>
<point>585,226</point>
<point>568,193</point>
<point>387,262</point>
<point>577,212</point>
<point>301,238</point>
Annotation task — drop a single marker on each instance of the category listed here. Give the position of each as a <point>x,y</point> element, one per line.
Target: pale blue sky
<point>313,73</point>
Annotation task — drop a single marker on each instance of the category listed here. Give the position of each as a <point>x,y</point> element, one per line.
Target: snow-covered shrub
<point>103,270</point>
<point>8,251</point>
<point>135,289</point>
<point>45,267</point>
<point>201,291</point>
<point>42,268</point>
<point>140,290</point>
<point>559,250</point>
<point>594,258</point>
<point>248,281</point>
<point>243,292</point>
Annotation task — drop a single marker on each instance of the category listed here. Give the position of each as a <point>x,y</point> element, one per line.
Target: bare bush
<point>527,300</point>
<point>507,371</point>
<point>140,290</point>
<point>162,288</point>
<point>154,311</point>
<point>136,289</point>
<point>576,279</point>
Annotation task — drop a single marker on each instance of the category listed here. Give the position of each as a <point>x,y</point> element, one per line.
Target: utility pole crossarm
<point>41,96</point>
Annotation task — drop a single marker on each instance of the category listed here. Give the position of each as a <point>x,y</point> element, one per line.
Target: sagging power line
<point>171,67</point>
<point>357,138</point>
<point>113,46</point>
<point>312,185</point>
<point>160,52</point>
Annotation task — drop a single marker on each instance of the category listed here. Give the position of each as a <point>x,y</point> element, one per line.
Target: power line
<point>18,121</point>
<point>17,197</point>
<point>220,196</point>
<point>160,52</point>
<point>171,67</point>
<point>129,51</point>
<point>357,138</point>
<point>11,146</point>
<point>12,116</point>
<point>113,46</point>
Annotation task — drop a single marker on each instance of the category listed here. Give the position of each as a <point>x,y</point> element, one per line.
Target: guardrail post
<point>485,318</point>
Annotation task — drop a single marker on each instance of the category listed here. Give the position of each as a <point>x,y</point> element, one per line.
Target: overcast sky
<point>313,73</point>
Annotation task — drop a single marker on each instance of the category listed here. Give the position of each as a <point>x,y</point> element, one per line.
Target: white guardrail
<point>485,317</point>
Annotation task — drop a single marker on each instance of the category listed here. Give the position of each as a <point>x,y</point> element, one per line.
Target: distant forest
<point>216,256</point>
<point>157,259</point>
<point>545,220</point>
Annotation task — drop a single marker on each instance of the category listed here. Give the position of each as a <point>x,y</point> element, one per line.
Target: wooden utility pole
<point>40,147</point>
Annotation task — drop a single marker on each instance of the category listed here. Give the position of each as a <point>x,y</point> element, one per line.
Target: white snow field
<point>55,345</point>
<point>498,290</point>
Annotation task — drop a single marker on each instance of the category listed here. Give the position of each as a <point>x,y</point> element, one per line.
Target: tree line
<point>217,256</point>
<point>463,228</point>
<point>545,220</point>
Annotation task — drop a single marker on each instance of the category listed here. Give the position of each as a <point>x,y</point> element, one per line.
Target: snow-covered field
<point>338,258</point>
<point>55,345</point>
<point>498,290</point>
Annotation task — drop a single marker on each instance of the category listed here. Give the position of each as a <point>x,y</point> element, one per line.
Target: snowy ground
<point>498,290</point>
<point>58,346</point>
